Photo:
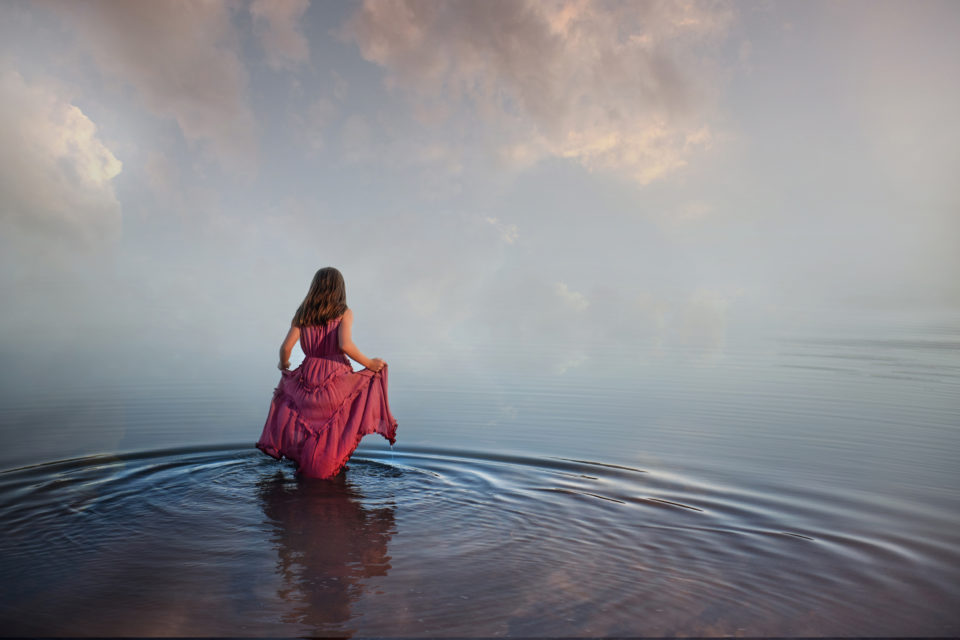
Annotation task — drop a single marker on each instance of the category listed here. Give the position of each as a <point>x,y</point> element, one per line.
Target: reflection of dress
<point>322,409</point>
<point>329,546</point>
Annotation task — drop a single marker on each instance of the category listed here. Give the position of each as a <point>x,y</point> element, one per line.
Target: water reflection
<point>223,542</point>
<point>795,486</point>
<point>328,546</point>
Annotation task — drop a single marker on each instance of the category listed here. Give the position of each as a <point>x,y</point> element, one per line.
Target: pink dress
<point>322,409</point>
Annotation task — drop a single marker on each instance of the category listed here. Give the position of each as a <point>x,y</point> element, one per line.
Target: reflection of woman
<point>322,409</point>
<point>327,545</point>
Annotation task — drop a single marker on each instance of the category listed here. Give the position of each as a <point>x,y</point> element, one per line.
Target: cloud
<point>56,175</point>
<point>508,232</point>
<point>276,24</point>
<point>572,299</point>
<point>182,57</point>
<point>614,86</point>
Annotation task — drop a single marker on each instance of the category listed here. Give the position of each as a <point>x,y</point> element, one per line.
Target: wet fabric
<point>322,409</point>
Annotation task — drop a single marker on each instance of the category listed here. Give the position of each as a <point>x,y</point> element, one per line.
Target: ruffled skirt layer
<point>320,412</point>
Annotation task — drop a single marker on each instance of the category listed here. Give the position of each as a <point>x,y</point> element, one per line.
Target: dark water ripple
<point>804,485</point>
<point>222,540</point>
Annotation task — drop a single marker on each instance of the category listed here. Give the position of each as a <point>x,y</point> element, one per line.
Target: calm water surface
<point>796,481</point>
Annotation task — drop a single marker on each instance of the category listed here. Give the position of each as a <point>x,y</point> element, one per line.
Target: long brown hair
<point>326,300</point>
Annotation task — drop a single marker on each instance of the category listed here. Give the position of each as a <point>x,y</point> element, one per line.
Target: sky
<point>496,172</point>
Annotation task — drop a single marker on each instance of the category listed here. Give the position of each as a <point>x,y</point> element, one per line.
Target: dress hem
<point>281,396</point>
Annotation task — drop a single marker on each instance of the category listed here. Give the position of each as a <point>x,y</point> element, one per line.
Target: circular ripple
<point>419,541</point>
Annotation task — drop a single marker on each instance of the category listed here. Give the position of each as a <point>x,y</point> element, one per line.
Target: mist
<point>628,174</point>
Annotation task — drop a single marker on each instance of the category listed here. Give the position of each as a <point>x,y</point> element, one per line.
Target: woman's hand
<point>283,365</point>
<point>376,364</point>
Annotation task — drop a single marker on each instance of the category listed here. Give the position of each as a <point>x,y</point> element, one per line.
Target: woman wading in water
<point>322,409</point>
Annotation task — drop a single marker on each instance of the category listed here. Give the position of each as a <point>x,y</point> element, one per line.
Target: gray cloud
<point>276,23</point>
<point>612,85</point>
<point>182,58</point>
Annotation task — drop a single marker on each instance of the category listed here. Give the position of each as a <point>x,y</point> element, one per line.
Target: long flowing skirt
<point>320,412</point>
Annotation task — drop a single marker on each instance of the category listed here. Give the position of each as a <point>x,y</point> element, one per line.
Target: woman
<point>322,409</point>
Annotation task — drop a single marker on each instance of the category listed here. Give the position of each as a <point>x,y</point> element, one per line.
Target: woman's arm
<point>347,346</point>
<point>292,336</point>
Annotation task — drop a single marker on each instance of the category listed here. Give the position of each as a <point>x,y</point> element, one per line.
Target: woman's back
<point>321,340</point>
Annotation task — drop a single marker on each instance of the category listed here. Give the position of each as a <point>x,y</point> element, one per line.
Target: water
<point>797,481</point>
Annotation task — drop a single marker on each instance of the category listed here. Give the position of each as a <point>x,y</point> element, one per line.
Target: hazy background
<point>669,293</point>
<point>542,173</point>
